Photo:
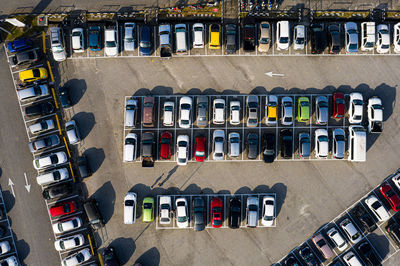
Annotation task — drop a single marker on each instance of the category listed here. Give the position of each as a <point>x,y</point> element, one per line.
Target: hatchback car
<point>185,112</point>
<point>65,97</point>
<point>169,111</point>
<point>182,215</point>
<point>182,143</point>
<point>338,143</point>
<point>299,37</point>
<point>337,239</point>
<point>318,38</point>
<point>219,111</point>
<point>198,35</point>
<point>383,42</point>
<point>57,191</point>
<point>24,57</point>
<point>268,211</point>
<point>363,219</point>
<point>356,108</point>
<point>396,38</point>
<point>39,109</point>
<point>130,147</point>
<point>320,242</point>
<point>110,42</point>
<point>44,143</point>
<point>214,39</point>
<point>282,35</point>
<point>321,110</point>
<point>265,37</point>
<point>234,107</point>
<point>131,110</point>
<point>95,38</point>
<point>199,214</point>
<point>271,109</point>
<point>338,105</point>
<point>321,143</point>
<point>165,145</point>
<point>64,208</point>
<point>33,74</point>
<point>368,36</point>
<point>67,225</point>
<point>268,147</point>
<point>148,209</point>
<point>200,148</point>
<point>252,212</point>
<point>216,212</point>
<point>252,110</point>
<point>19,45</point>
<point>235,213</point>
<point>36,91</point>
<point>287,111</point>
<point>72,132</point>
<point>391,197</point>
<point>69,242</point>
<point>78,40</point>
<point>351,37</point>
<point>129,36</point>
<point>252,146</point>
<point>350,231</point>
<point>304,145</point>
<point>230,38</point>
<point>233,144</point>
<point>303,109</point>
<point>286,143</point>
<point>307,255</point>
<point>41,126</point>
<point>334,38</point>
<point>145,44</point>
<point>202,111</point>
<point>218,145</point>
<point>50,160</point>
<point>77,258</point>
<point>165,209</point>
<point>52,177</point>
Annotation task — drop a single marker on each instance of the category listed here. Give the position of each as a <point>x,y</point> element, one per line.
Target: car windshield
<point>200,153</point>
<point>389,193</point>
<point>355,236</point>
<point>235,108</point>
<point>252,141</point>
<point>184,122</point>
<point>323,138</point>
<point>377,106</point>
<point>305,140</point>
<point>56,175</point>
<point>165,141</point>
<point>340,101</point>
<point>353,46</point>
<point>252,121</point>
<point>264,40</point>
<point>129,203</point>
<point>145,44</point>
<point>165,206</point>
<point>272,104</point>
<point>54,159</point>
<point>148,104</point>
<point>376,205</point>
<point>67,208</point>
<point>182,160</point>
<point>182,144</point>
<point>321,243</point>
<point>234,140</point>
<point>357,102</point>
<point>36,72</point>
<point>168,108</point>
<point>219,139</point>
<point>288,119</point>
<point>287,104</point>
<point>147,141</point>
<point>323,104</point>
<point>147,206</point>
<point>253,208</point>
<point>235,209</point>
<point>182,219</point>
<point>339,138</point>
<point>130,141</point>
<point>268,218</point>
<point>369,44</point>
<point>130,107</point>
<point>185,106</point>
<point>304,103</point>
<point>164,219</point>
<point>287,138</point>
<point>59,226</point>
<point>129,39</point>
<point>198,29</point>
<point>110,44</point>
<point>284,40</point>
<point>180,29</point>
<point>300,41</point>
<point>357,117</point>
<point>80,258</point>
<point>218,154</point>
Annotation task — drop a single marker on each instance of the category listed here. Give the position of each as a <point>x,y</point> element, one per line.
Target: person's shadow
<point>170,173</point>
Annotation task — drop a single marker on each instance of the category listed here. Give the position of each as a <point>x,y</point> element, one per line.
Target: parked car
<point>216,212</point>
<point>218,145</point>
<point>185,112</point>
<point>368,255</point>
<point>351,259</point>
<point>338,143</point>
<point>93,214</point>
<point>182,143</point>
<point>234,107</point>
<point>4,247</point>
<point>202,111</point>
<point>200,148</point>
<point>180,39</point>
<point>375,115</point>
<point>308,256</point>
<point>299,37</point>
<point>130,35</point>
<point>148,112</point>
<point>396,179</point>
<point>321,143</point>
<point>165,210</point>
<point>34,74</point>
<point>44,108</point>
<point>271,109</point>
<point>41,126</point>
<point>249,33</point>
<point>83,167</point>
<point>383,42</point>
<point>95,38</point>
<point>57,191</point>
<point>198,35</point>
<point>291,261</point>
<point>165,40</point>
<point>67,225</point>
<point>50,160</point>
<point>52,177</point>
<point>78,40</point>
<point>230,38</point>
<point>321,110</point>
<point>287,111</point>
<point>44,143</point>
<point>234,144</point>
<point>320,242</point>
<point>35,91</point>
<point>19,45</point>
<point>235,213</point>
<point>165,146</point>
<point>69,242</point>
<point>219,111</point>
<point>145,44</point>
<point>147,149</point>
<point>182,215</point>
<point>63,208</point>
<point>337,239</point>
<point>57,44</point>
<point>111,42</point>
<point>130,147</point>
<point>351,37</point>
<point>363,219</point>
<point>339,105</point>
<point>367,36</point>
<point>252,146</point>
<point>350,231</point>
<point>286,143</point>
<point>391,196</point>
<point>65,97</point>
<point>169,114</point>
<point>252,110</point>
<point>24,57</point>
<point>110,257</point>
<point>396,37</point>
<point>268,211</point>
<point>282,35</point>
<point>214,39</point>
<point>265,37</point>
<point>303,109</point>
<point>77,258</point>
<point>356,108</point>
<point>318,38</point>
<point>334,39</point>
<point>252,212</point>
<point>199,214</point>
<point>304,145</point>
<point>268,147</point>
<point>131,110</point>
<point>72,132</point>
<point>393,230</point>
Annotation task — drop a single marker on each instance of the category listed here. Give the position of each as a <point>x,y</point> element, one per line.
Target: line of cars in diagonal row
<point>185,211</point>
<point>363,218</point>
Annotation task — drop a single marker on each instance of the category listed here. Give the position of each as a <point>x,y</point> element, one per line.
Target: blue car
<point>19,45</point>
<point>95,38</point>
<point>145,41</point>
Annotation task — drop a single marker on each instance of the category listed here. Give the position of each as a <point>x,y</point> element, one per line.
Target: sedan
<point>67,225</point>
<point>219,111</point>
<point>19,45</point>
<point>383,42</point>
<point>334,39</point>
<point>110,257</point>
<point>131,110</point>
<point>130,200</point>
<point>321,110</point>
<point>182,143</point>
<point>252,110</point>
<point>268,211</point>
<point>199,214</point>
<point>145,44</point>
<point>389,194</point>
<point>33,92</point>
<point>94,38</point>
<point>57,191</point>
<point>182,215</point>
<point>52,177</point>
<point>338,105</point>
<point>304,145</point>
<point>169,110</point>
<point>165,210</point>
<point>351,37</point>
<point>202,111</point>
<point>41,126</point>
<point>23,58</point>
<point>286,143</point>
<point>321,143</point>
<point>337,239</point>
<point>318,38</point>
<point>110,42</point>
<point>165,146</point>
<point>368,254</point>
<point>351,232</point>
<point>216,212</point>
<point>44,143</point>
<point>268,147</point>
<point>287,111</point>
<point>338,143</point>
<point>77,258</point>
<point>45,108</point>
<point>351,259</point>
<point>233,144</point>
<point>320,242</point>
<point>356,108</point>
<point>271,109</point>
<point>129,38</point>
<point>148,209</point>
<point>33,74</point>
<point>200,148</point>
<point>363,218</point>
<point>50,160</point>
<point>185,116</point>
<point>69,242</point>
<point>252,146</point>
<point>65,97</point>
<point>234,107</point>
<point>235,211</point>
<point>396,38</point>
<point>299,36</point>
<point>265,37</point>
<point>72,132</point>
<point>218,145</point>
<point>64,208</point>
<point>130,147</point>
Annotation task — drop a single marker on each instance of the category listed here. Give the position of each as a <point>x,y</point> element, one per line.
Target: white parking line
<point>39,118</point>
<point>32,67</point>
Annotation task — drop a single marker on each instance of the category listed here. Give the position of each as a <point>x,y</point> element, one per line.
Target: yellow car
<point>214,36</point>
<point>32,75</point>
<point>271,106</point>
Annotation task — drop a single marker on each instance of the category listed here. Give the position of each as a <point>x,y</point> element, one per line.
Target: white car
<point>10,261</point>
<point>185,112</point>
<point>130,200</point>
<point>198,35</point>
<point>356,108</point>
<point>338,143</point>
<point>282,35</point>
<point>69,242</point>
<point>50,160</point>
<point>182,215</point>
<point>351,231</point>
<point>271,103</point>
<point>42,126</point>
<point>396,38</point>
<point>218,145</point>
<point>67,225</point>
<point>77,258</point>
<point>33,92</point>
<point>129,38</point>
<point>110,42</point>
<point>57,44</point>
<point>130,147</point>
<point>4,247</point>
<point>219,111</point>
<point>165,210</point>
<point>337,239</point>
<point>233,144</point>
<point>287,111</point>
<point>396,180</point>
<point>321,143</point>
<point>131,109</point>
<point>383,42</point>
<point>44,143</point>
<point>72,132</point>
<point>351,37</point>
<point>268,211</point>
<point>299,36</point>
<point>182,143</point>
<point>234,107</point>
<point>375,205</point>
<point>169,110</point>
<point>351,260</point>
<point>367,36</point>
<point>77,40</point>
<point>321,110</point>
<point>52,177</point>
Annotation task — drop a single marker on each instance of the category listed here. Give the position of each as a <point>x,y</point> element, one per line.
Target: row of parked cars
<point>197,211</point>
<point>364,219</point>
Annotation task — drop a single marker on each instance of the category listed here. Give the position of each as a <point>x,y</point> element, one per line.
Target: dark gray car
<point>252,145</point>
<point>198,208</point>
<point>230,38</point>
<point>304,145</point>
<point>334,39</point>
<point>202,111</point>
<point>24,57</point>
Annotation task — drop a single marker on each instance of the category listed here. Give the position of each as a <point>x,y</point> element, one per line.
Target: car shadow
<point>124,248</point>
<point>77,88</point>
<point>85,123</point>
<point>105,196</point>
<point>150,257</point>
<point>95,157</point>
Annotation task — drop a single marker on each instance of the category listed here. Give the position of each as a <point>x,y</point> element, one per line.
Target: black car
<point>110,257</point>
<point>3,231</point>
<point>234,213</point>
<point>308,256</point>
<point>318,38</point>
<point>83,167</point>
<point>57,191</point>
<point>368,255</point>
<point>24,58</point>
<point>286,143</point>
<point>145,45</point>
<point>230,38</point>
<point>291,261</point>
<point>39,109</point>
<point>334,39</point>
<point>252,146</point>
<point>249,33</point>
<point>394,232</point>
<point>65,97</point>
<point>363,218</point>
<point>268,148</point>
<point>198,208</point>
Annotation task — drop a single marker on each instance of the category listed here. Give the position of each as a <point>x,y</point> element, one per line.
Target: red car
<point>200,149</point>
<point>216,212</point>
<point>165,146</point>
<point>338,105</point>
<point>391,197</point>
<point>63,208</point>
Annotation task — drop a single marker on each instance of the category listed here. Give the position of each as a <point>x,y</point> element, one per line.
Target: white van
<point>282,35</point>
<point>180,38</point>
<point>130,208</point>
<point>357,143</point>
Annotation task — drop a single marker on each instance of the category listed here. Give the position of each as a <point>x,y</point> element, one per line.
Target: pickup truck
<point>249,41</point>
<point>148,149</point>
<point>375,115</point>
<point>165,40</point>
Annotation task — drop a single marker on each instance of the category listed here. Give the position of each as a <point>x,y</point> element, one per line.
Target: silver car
<point>287,111</point>
<point>321,110</point>
<point>46,142</point>
<point>233,144</point>
<point>202,111</point>
<point>252,110</point>
<point>129,38</point>
<point>218,145</point>
<point>338,143</point>
<point>304,145</point>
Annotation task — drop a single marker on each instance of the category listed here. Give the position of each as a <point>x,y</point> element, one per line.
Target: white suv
<point>110,42</point>
<point>282,35</point>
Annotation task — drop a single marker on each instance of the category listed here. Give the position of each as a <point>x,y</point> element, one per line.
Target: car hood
<point>358,109</point>
<point>111,51</point>
<point>59,56</point>
<point>129,45</point>
<point>378,115</point>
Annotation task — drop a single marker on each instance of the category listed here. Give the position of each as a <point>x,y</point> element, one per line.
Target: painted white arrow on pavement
<point>11,184</point>
<point>270,74</point>
<point>27,186</point>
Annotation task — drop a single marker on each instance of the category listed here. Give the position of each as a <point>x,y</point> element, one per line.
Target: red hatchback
<point>338,105</point>
<point>63,208</point>
<point>216,212</point>
<point>165,146</point>
<point>200,149</point>
<point>391,197</point>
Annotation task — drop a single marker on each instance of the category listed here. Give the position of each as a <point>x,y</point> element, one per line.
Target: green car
<point>148,209</point>
<point>303,109</point>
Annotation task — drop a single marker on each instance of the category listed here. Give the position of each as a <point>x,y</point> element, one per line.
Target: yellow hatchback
<point>271,106</point>
<point>214,38</point>
<point>32,75</point>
